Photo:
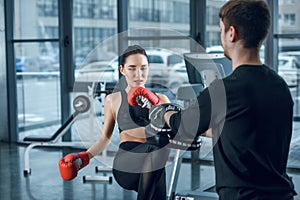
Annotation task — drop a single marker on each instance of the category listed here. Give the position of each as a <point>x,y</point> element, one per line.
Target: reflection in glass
<point>38,88</point>
<point>288,11</point>
<point>172,14</point>
<point>94,22</point>
<point>36,19</point>
<point>212,23</point>
<point>289,70</point>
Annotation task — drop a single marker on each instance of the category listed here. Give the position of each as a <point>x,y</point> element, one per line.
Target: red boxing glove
<point>72,163</point>
<point>142,97</point>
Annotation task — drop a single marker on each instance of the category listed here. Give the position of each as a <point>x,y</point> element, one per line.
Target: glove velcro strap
<point>171,107</point>
<point>84,158</point>
<point>157,129</point>
<point>186,145</point>
<point>175,143</point>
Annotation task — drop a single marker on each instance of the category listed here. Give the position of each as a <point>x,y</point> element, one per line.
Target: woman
<point>137,165</point>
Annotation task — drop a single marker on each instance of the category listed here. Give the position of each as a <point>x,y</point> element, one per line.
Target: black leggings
<point>141,167</point>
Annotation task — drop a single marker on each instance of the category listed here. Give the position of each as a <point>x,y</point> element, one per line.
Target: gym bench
<point>81,104</point>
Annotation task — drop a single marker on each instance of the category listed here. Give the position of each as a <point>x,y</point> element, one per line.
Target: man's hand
<point>157,119</point>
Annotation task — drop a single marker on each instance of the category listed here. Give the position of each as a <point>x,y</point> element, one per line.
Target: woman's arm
<point>163,98</point>
<point>108,127</point>
<point>208,133</point>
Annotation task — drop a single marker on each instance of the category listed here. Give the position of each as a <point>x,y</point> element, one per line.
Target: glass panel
<point>159,13</point>
<point>36,19</point>
<point>213,40</point>
<point>288,16</point>
<point>94,21</point>
<point>289,69</point>
<point>2,39</point>
<point>38,89</point>
<point>95,52</point>
<point>289,64</point>
<point>3,93</point>
<point>37,66</point>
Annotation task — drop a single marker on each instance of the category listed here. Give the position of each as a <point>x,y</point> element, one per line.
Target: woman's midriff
<point>133,135</point>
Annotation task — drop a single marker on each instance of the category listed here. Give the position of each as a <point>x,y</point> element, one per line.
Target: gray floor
<point>45,182</point>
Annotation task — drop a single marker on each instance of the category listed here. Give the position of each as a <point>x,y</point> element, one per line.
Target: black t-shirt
<point>250,112</point>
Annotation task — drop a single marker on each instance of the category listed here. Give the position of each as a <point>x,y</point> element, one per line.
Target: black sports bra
<point>130,117</point>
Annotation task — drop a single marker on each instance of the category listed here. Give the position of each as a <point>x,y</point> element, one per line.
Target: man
<point>250,112</point>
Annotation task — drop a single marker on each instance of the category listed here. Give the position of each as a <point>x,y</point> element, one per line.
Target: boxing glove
<point>158,133</point>
<point>72,163</point>
<point>142,97</point>
<point>157,121</point>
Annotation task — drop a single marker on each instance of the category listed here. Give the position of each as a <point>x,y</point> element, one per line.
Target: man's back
<point>253,147</point>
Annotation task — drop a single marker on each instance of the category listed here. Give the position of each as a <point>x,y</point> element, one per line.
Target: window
<point>212,23</point>
<point>94,22</point>
<point>47,8</point>
<point>159,13</point>
<point>289,62</point>
<point>155,59</point>
<point>174,59</point>
<point>37,65</point>
<point>288,17</point>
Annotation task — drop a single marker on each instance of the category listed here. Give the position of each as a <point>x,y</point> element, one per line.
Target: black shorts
<point>134,161</point>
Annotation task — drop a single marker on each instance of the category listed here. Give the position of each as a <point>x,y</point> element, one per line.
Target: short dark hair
<point>251,19</point>
<point>134,49</point>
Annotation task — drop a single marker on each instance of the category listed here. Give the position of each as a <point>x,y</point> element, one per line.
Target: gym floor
<point>45,183</point>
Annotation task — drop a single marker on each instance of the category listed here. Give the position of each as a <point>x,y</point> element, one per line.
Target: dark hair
<point>134,49</point>
<point>251,19</point>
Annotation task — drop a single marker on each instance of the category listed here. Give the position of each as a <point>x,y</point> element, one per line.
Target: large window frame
<point>197,32</point>
<point>66,63</point>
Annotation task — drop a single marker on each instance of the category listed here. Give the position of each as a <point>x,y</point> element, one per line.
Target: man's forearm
<point>167,117</point>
